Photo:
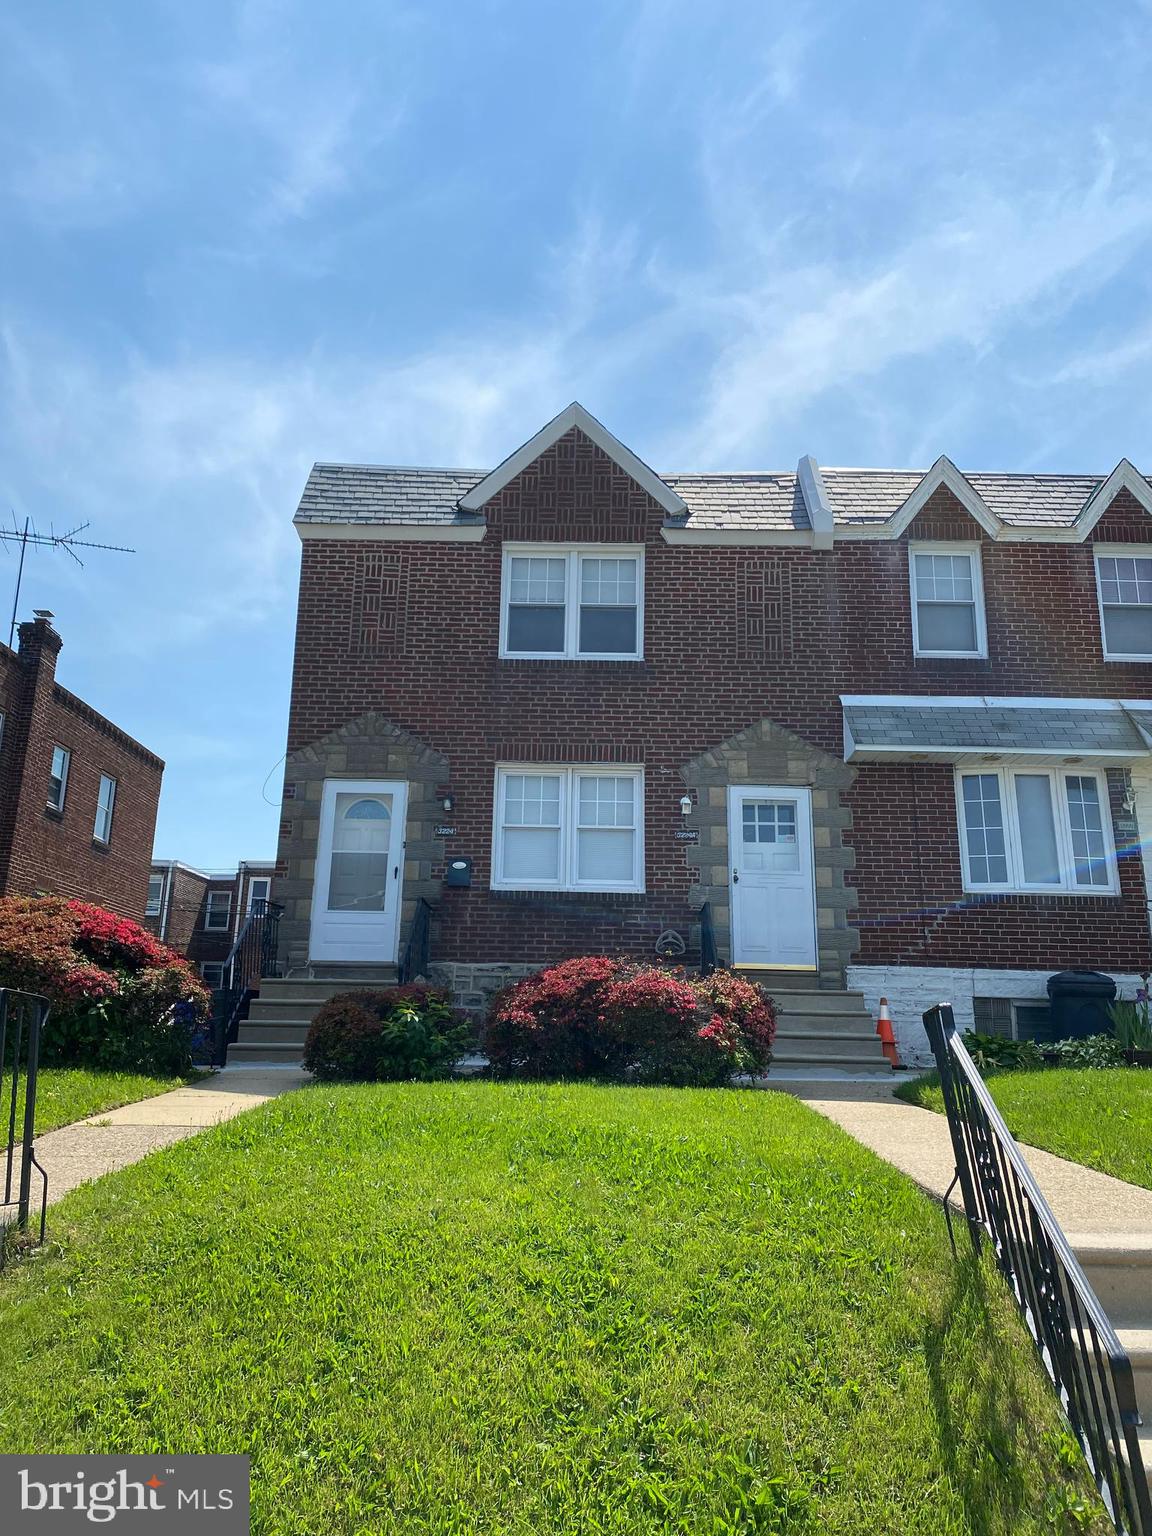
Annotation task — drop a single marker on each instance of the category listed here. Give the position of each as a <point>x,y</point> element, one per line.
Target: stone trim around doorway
<point>767,753</point>
<point>369,747</point>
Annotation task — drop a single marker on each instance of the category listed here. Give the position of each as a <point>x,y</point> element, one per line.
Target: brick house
<point>200,912</point>
<point>881,731</point>
<point>78,796</point>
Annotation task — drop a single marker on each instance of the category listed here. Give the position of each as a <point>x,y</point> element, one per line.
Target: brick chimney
<point>28,750</point>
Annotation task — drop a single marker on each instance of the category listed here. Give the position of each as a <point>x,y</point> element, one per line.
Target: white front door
<point>773,900</point>
<point>359,868</point>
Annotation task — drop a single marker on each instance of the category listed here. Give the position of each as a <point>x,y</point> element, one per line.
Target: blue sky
<point>241,237</point>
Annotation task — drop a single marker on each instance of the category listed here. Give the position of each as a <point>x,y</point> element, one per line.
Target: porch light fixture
<point>449,804</point>
<point>685,805</point>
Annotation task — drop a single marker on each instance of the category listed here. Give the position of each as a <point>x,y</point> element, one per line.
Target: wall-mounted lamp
<point>449,805</point>
<point>685,805</point>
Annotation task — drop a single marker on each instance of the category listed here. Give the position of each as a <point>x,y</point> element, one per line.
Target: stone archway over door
<point>767,755</point>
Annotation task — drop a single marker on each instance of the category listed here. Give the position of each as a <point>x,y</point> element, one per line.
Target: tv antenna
<point>70,542</point>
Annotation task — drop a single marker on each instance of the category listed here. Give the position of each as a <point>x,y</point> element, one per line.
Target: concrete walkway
<point>89,1148</point>
<point>917,1142</point>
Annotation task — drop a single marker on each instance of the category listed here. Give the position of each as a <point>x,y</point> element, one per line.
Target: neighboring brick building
<point>893,728</point>
<point>201,912</point>
<point>78,796</point>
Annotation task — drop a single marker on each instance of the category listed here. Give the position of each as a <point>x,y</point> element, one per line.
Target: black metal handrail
<point>417,951</point>
<point>709,960</point>
<point>22,1016</point>
<point>1078,1346</point>
<point>252,956</point>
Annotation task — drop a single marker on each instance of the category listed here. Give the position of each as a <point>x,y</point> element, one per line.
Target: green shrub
<point>1130,1022</point>
<point>1092,1051</point>
<point>997,1053</point>
<point>612,1019</point>
<point>384,1035</point>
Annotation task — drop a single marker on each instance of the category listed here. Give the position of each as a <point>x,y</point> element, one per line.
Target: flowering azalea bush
<point>615,1019</point>
<point>387,1034</point>
<point>120,999</point>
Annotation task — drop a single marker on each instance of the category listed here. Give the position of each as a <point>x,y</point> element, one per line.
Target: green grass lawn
<point>1102,1119</point>
<point>64,1094</point>
<point>524,1311</point>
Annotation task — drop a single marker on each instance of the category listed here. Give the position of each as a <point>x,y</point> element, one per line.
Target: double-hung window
<point>568,829</point>
<point>1035,829</point>
<point>218,911</point>
<point>1124,589</point>
<point>155,895</point>
<point>105,804</point>
<point>212,973</point>
<point>947,600</point>
<point>58,778</point>
<point>568,603</point>
<point>259,887</point>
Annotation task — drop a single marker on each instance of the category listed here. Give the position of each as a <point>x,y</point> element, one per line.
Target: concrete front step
<point>1137,1345</point>
<point>280,1052</point>
<point>807,1043</point>
<point>1119,1270</point>
<point>285,1034</point>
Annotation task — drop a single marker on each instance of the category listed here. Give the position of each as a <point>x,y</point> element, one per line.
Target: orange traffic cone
<point>887,1038</point>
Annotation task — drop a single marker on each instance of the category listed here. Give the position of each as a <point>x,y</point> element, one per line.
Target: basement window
<point>1030,1019</point>
<point>566,603</point>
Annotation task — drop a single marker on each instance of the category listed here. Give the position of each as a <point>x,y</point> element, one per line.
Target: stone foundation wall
<point>471,986</point>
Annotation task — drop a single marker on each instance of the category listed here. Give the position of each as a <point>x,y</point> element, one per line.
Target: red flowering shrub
<point>120,999</point>
<point>618,1020</point>
<point>390,1034</point>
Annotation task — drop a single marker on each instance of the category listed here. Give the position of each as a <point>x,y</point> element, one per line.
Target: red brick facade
<point>732,636</point>
<point>43,850</point>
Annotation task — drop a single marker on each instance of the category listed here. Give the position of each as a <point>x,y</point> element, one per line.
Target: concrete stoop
<point>280,1017</point>
<point>1119,1270</point>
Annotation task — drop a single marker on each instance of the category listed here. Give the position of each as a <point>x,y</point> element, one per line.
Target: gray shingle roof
<point>947,731</point>
<point>368,493</point>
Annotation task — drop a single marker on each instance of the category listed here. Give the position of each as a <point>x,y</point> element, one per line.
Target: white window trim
<point>1016,884</point>
<point>935,547</point>
<point>97,835</point>
<point>1120,552</point>
<point>149,909</point>
<point>224,897</point>
<point>258,880</point>
<point>571,553</point>
<point>568,772</point>
<point>58,805</point>
<point>220,965</point>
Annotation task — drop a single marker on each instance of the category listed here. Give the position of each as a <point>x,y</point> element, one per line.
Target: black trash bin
<point>1079,1002</point>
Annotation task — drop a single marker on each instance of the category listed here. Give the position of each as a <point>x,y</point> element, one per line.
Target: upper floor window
<point>1124,588</point>
<point>1035,830</point>
<point>563,602</point>
<point>155,895</point>
<point>259,887</point>
<point>947,600</point>
<point>105,803</point>
<point>568,829</point>
<point>218,910</point>
<point>58,779</point>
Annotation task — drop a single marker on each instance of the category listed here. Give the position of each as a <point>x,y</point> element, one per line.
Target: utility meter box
<point>458,872</point>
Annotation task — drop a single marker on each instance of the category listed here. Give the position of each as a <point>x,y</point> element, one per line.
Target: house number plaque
<point>444,831</point>
<point>687,835</point>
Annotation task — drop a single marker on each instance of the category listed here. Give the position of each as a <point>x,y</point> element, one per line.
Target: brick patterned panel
<point>764,616</point>
<point>379,604</point>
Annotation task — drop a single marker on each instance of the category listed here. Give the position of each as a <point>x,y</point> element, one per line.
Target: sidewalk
<point>89,1148</point>
<point>917,1142</point>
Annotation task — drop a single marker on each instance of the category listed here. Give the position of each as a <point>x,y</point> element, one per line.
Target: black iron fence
<point>709,960</point>
<point>1078,1345</point>
<point>417,951</point>
<point>252,956</point>
<point>22,1016</point>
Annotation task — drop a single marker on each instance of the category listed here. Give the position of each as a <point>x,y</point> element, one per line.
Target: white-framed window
<point>58,778</point>
<point>1124,593</point>
<point>218,910</point>
<point>155,895</point>
<point>212,973</point>
<point>105,804</point>
<point>564,602</point>
<point>568,829</point>
<point>1035,829</point>
<point>259,888</point>
<point>947,600</point>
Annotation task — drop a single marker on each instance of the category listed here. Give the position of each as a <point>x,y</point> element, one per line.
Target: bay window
<point>1124,590</point>
<point>947,600</point>
<point>566,603</point>
<point>1035,830</point>
<point>568,829</point>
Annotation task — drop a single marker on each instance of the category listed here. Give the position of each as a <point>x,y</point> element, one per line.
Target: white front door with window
<point>773,900</point>
<point>359,865</point>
